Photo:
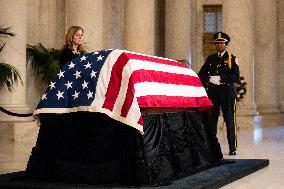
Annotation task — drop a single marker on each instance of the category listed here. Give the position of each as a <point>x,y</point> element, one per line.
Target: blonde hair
<point>69,37</point>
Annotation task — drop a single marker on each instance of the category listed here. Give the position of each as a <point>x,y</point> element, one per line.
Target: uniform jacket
<point>220,66</point>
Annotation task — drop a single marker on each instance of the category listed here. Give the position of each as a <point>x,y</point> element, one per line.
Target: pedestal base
<point>269,120</point>
<point>20,110</point>
<point>242,121</point>
<point>18,131</point>
<point>282,107</point>
<point>268,109</point>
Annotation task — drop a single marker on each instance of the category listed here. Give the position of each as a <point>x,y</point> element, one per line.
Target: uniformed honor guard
<point>219,76</point>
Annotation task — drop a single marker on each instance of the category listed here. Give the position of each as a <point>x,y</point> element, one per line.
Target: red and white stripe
<point>129,81</point>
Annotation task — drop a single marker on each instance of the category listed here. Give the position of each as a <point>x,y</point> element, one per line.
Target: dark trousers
<point>224,97</point>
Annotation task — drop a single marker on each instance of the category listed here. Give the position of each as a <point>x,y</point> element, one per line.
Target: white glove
<point>215,79</point>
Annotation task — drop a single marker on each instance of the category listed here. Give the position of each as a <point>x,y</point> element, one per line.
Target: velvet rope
<point>14,114</point>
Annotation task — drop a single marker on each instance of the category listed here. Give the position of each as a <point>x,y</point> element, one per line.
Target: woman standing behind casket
<point>75,147</point>
<point>73,46</point>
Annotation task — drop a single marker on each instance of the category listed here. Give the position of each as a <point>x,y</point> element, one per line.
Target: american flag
<point>120,83</point>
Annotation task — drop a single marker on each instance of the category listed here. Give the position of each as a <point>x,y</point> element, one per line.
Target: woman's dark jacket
<point>66,55</point>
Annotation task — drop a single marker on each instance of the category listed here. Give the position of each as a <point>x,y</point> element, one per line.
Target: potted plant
<point>44,62</point>
<point>9,74</point>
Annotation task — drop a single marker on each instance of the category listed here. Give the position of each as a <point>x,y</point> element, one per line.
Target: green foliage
<point>184,61</point>
<point>44,62</point>
<point>241,88</point>
<point>5,32</point>
<point>9,74</point>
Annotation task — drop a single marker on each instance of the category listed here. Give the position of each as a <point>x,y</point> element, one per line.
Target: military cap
<point>221,37</point>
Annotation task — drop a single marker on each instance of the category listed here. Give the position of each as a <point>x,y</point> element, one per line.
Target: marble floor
<point>263,141</point>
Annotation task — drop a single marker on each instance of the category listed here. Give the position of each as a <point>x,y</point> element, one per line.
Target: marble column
<point>280,39</point>
<point>50,18</point>
<point>113,24</point>
<point>266,56</point>
<point>13,14</point>
<point>89,15</point>
<point>177,29</point>
<point>139,26</point>
<point>238,22</point>
<point>46,25</point>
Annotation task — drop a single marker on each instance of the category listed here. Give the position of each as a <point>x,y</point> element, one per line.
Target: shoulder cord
<point>230,60</point>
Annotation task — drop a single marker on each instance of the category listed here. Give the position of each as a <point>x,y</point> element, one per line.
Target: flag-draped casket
<point>88,109</point>
<point>119,83</point>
